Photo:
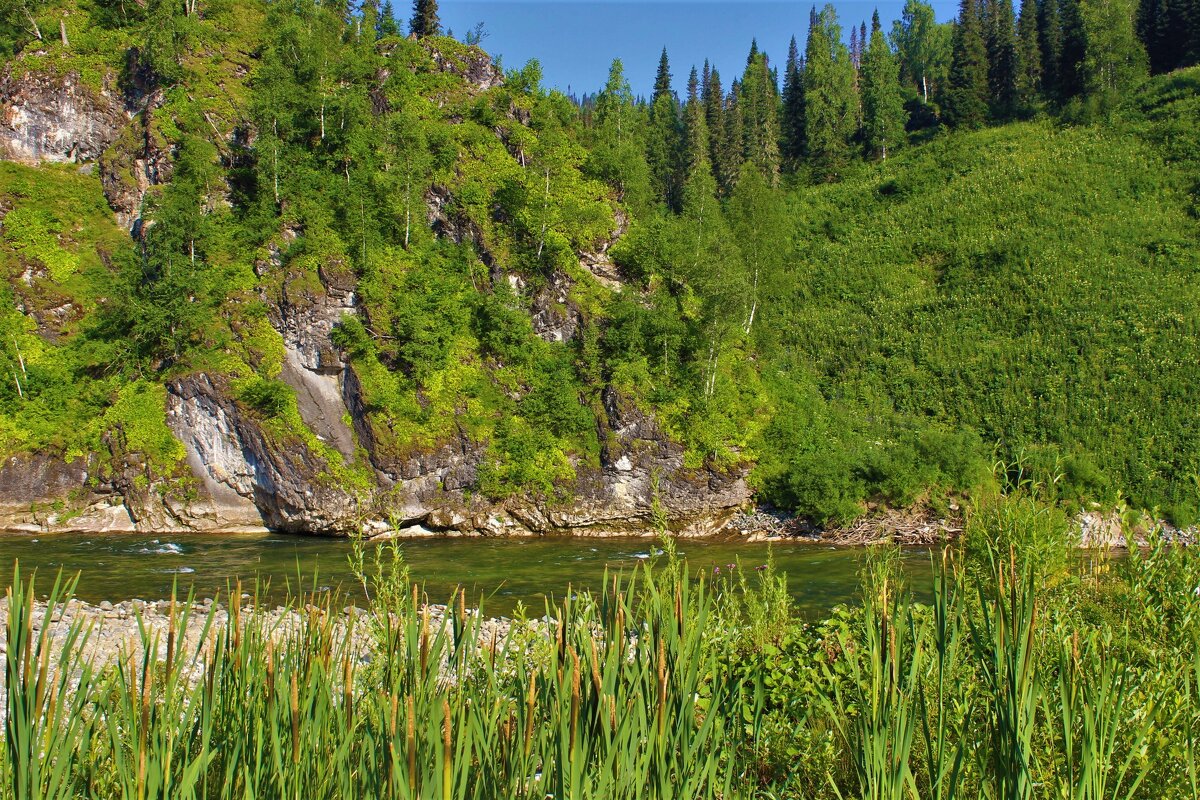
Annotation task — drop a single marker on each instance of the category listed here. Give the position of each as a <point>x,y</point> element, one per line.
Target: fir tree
<point>714,104</point>
<point>386,25</point>
<point>830,102</point>
<point>695,130</point>
<point>425,19</point>
<point>966,103</point>
<point>1049,23</point>
<point>662,79</point>
<point>1002,61</point>
<point>664,139</point>
<point>884,117</point>
<point>759,104</point>
<point>1029,57</point>
<point>792,120</point>
<point>730,156</point>
<point>1072,52</point>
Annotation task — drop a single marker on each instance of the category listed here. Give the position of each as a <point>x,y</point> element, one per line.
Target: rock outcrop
<point>46,117</point>
<point>246,471</point>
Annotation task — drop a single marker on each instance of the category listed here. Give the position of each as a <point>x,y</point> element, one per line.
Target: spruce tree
<point>884,117</point>
<point>714,104</point>
<point>1002,60</point>
<point>664,139</point>
<point>966,102</point>
<point>733,144</point>
<point>425,19</point>
<point>792,120</point>
<point>830,101</point>
<point>1049,22</point>
<point>695,130</point>
<point>1029,58</point>
<point>662,79</point>
<point>1072,52</point>
<point>386,25</point>
<point>759,104</point>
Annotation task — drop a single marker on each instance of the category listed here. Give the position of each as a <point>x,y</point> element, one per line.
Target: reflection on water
<point>501,571</point>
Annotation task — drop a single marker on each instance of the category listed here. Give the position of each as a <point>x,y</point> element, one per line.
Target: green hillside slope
<point>1031,285</point>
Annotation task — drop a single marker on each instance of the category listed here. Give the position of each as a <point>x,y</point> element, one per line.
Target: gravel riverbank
<point>115,632</point>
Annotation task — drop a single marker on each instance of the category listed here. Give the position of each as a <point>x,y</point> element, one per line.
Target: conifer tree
<point>662,78</point>
<point>830,102</point>
<point>792,118</point>
<point>1029,58</point>
<point>730,157</point>
<point>387,26</point>
<point>884,117</point>
<point>714,104</point>
<point>1072,51</point>
<point>425,19</point>
<point>695,130</point>
<point>1050,42</point>
<point>966,103</point>
<point>1001,46</point>
<point>664,140</point>
<point>759,104</point>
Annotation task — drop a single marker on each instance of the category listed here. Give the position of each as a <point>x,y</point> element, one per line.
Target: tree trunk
<point>33,26</point>
<point>62,32</point>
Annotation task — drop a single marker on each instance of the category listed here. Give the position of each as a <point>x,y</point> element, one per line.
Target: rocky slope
<point>243,470</point>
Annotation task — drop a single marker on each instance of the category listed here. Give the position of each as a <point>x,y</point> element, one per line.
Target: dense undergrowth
<point>1023,293</point>
<point>1028,675</point>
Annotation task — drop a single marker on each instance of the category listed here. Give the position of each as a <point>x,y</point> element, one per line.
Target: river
<point>501,572</point>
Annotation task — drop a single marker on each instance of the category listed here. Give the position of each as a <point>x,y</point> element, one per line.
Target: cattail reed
<point>530,701</point>
<point>447,752</point>
<point>294,701</point>
<point>424,639</point>
<point>410,736</point>
<point>574,700</point>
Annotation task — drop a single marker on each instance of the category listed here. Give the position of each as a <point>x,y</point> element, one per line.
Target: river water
<point>500,572</point>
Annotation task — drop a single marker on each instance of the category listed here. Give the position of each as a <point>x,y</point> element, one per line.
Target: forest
<point>873,270</point>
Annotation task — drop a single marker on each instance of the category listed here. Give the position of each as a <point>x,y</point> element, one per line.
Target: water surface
<point>502,572</point>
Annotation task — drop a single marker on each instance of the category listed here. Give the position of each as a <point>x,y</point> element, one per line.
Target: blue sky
<point>576,40</point>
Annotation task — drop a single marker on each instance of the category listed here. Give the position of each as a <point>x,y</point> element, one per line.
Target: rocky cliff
<point>243,469</point>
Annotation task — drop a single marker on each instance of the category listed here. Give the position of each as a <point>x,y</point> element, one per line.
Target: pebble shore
<point>114,631</point>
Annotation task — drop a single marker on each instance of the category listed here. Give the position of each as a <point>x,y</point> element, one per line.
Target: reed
<point>630,692</point>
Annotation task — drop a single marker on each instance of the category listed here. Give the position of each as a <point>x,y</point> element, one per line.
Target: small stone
<point>106,605</point>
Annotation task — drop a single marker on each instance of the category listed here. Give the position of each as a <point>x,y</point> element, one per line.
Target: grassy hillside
<point>1029,287</point>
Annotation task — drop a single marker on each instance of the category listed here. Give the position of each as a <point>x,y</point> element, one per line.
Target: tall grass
<point>1003,686</point>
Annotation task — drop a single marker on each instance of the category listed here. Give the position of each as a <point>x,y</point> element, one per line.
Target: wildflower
<point>760,568</point>
<point>716,570</point>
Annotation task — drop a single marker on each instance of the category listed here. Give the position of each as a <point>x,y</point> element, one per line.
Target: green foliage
<point>269,397</point>
<point>884,334</point>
